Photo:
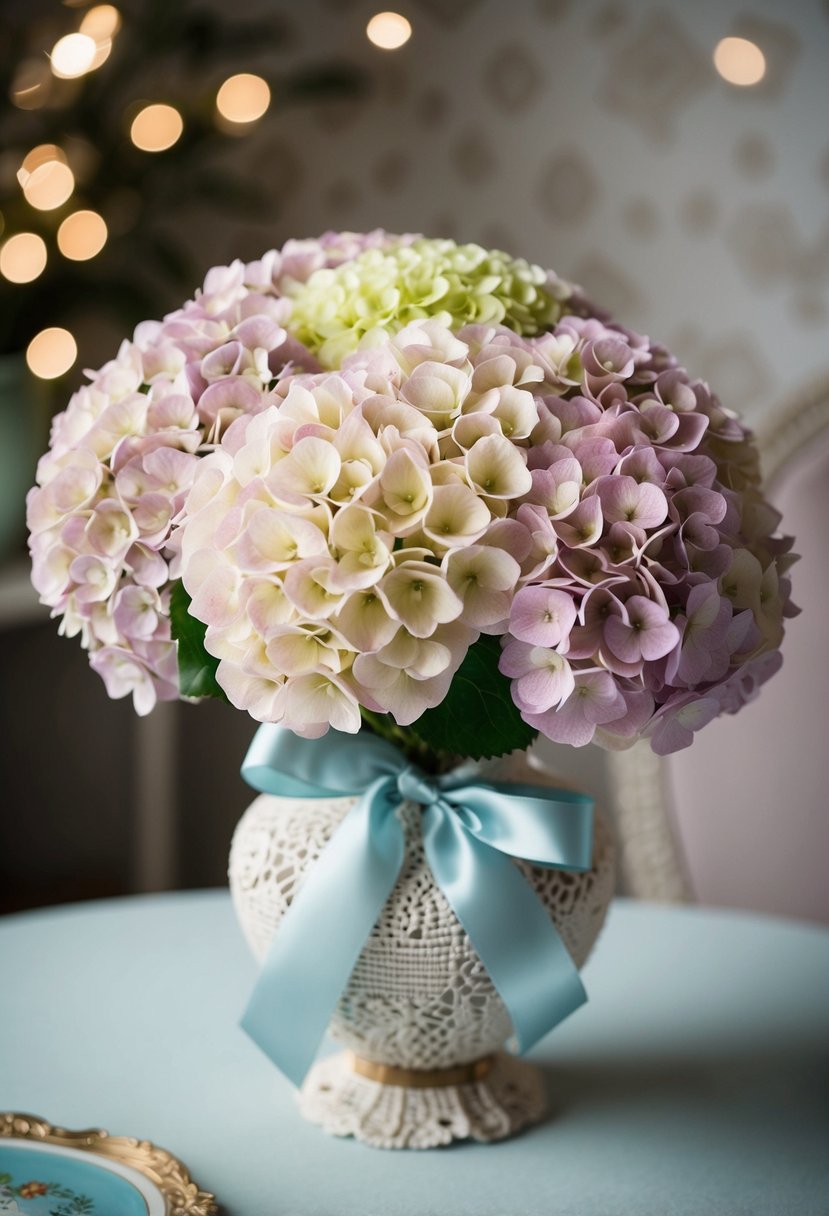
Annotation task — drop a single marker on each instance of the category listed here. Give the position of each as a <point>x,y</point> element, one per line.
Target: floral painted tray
<point>48,1171</point>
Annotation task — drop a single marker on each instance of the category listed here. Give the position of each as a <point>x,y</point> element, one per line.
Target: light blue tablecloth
<point>694,1082</point>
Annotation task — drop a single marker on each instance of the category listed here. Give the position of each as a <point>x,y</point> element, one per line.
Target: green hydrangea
<point>388,288</point>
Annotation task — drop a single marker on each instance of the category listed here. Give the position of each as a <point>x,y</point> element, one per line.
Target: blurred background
<point>672,158</point>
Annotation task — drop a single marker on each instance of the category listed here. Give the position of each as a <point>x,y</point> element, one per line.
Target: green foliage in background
<point>172,51</point>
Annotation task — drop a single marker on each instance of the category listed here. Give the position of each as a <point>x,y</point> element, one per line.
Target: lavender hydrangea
<point>662,597</point>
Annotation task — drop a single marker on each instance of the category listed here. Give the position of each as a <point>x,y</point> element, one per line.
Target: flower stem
<point>413,748</point>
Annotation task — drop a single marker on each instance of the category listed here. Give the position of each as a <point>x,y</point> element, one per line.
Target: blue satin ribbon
<point>471,831</point>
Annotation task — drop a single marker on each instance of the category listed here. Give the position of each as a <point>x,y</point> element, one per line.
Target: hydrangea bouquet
<point>429,489</point>
<point>418,485</point>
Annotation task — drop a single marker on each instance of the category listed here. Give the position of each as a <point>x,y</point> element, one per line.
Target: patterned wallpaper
<point>596,137</point>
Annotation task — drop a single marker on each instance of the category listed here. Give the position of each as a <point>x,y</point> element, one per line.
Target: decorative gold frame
<point>181,1195</point>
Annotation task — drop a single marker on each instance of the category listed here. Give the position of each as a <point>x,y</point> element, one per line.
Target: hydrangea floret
<point>379,464</point>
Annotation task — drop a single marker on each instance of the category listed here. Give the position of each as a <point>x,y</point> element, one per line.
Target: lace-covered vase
<point>423,1023</point>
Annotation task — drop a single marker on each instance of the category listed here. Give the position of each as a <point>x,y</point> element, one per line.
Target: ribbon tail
<point>322,935</point>
<point>508,925</point>
<point>547,826</point>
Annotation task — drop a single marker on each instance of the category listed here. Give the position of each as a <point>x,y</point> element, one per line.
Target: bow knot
<point>473,830</point>
<point>414,786</point>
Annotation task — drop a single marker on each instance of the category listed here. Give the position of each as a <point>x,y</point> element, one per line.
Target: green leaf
<point>196,668</point>
<point>478,718</point>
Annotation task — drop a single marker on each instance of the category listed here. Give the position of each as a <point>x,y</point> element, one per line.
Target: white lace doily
<point>393,1116</point>
<point>419,996</point>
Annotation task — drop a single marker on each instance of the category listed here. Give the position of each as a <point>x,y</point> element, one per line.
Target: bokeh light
<point>156,128</point>
<point>739,61</point>
<point>101,22</point>
<point>243,98</point>
<point>82,235</point>
<point>43,154</point>
<point>72,55</point>
<point>23,257</point>
<point>388,30</point>
<point>51,353</point>
<point>31,84</point>
<point>49,185</point>
<point>102,51</point>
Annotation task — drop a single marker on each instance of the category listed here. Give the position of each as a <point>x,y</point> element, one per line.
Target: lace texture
<point>392,1116</point>
<point>419,996</point>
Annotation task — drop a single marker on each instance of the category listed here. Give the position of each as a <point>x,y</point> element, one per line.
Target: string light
<point>49,185</point>
<point>51,353</point>
<point>156,128</point>
<point>389,31</point>
<point>101,22</point>
<point>739,61</point>
<point>23,257</point>
<point>82,235</point>
<point>243,98</point>
<point>72,56</point>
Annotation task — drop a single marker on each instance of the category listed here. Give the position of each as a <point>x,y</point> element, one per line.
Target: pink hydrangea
<point>346,545</point>
<point>123,455</point>
<point>346,532</point>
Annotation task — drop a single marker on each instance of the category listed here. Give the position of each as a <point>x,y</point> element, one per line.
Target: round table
<point>695,1080</point>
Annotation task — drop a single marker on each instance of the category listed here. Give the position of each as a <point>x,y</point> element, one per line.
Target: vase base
<point>343,1103</point>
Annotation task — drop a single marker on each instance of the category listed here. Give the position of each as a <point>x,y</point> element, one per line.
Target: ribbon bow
<point>471,830</point>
